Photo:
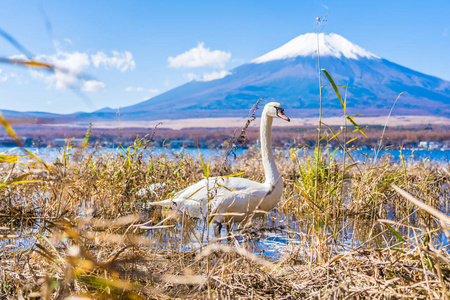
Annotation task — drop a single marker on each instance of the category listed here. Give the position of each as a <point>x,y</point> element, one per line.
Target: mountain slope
<point>289,75</point>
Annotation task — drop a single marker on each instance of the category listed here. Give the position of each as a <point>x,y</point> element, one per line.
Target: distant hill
<point>11,114</point>
<point>289,75</point>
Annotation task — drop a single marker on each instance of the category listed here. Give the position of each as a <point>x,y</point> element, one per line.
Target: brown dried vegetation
<point>81,228</point>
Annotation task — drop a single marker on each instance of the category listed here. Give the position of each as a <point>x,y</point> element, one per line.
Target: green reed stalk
<point>318,28</point>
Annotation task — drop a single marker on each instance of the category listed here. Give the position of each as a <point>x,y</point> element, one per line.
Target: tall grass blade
<point>16,139</point>
<point>395,232</point>
<point>360,129</point>
<point>431,210</point>
<point>336,90</point>
<point>233,175</point>
<point>204,166</point>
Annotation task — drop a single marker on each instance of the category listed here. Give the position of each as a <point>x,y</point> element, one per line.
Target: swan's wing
<point>193,199</point>
<point>247,197</point>
<point>196,191</point>
<point>228,196</point>
<point>237,204</point>
<point>236,198</point>
<point>217,185</point>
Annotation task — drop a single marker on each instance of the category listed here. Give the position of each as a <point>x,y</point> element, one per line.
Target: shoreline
<point>239,122</point>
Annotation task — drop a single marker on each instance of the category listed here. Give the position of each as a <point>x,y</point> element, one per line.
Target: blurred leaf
<point>225,187</point>
<point>398,250</point>
<point>204,166</point>
<point>11,131</point>
<point>27,63</point>
<point>37,158</point>
<point>357,126</point>
<point>118,287</point>
<point>351,140</point>
<point>334,136</point>
<point>13,134</point>
<point>357,129</point>
<point>391,229</point>
<point>336,90</point>
<point>10,158</point>
<point>18,180</point>
<point>15,43</point>
<point>339,85</point>
<point>194,192</point>
<point>233,175</point>
<point>331,155</point>
<point>431,210</point>
<point>350,166</point>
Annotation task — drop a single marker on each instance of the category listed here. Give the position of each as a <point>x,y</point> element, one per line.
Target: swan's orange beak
<point>281,114</point>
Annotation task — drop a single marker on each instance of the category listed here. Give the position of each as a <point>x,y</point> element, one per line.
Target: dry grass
<point>82,230</point>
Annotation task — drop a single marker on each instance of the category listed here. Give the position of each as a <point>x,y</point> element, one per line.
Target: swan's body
<point>233,197</point>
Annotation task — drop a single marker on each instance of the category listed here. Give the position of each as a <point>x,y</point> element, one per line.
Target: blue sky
<point>129,51</point>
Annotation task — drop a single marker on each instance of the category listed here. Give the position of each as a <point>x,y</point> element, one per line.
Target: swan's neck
<point>270,168</point>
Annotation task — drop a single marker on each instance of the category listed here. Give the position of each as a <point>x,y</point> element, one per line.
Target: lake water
<point>271,243</point>
<point>49,155</point>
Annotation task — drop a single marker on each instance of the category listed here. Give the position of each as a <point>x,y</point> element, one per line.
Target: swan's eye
<point>279,109</point>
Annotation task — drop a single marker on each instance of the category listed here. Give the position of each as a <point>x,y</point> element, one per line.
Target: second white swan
<point>234,198</point>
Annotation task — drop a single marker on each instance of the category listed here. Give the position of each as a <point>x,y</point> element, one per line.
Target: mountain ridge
<point>289,74</point>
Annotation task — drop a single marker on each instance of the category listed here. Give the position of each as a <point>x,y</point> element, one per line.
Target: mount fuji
<point>289,75</point>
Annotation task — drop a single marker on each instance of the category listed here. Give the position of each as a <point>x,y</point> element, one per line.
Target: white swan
<point>234,198</point>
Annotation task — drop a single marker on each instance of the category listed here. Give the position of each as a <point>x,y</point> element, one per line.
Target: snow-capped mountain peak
<point>306,45</point>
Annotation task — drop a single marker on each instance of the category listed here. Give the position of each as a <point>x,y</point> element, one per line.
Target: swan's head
<point>274,109</point>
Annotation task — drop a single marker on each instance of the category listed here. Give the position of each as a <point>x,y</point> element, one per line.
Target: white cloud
<point>134,89</point>
<point>192,76</point>
<point>59,46</point>
<point>200,57</point>
<point>93,86</point>
<point>69,67</point>
<point>18,57</point>
<point>445,33</point>
<point>215,75</point>
<point>75,62</point>
<point>122,61</point>
<point>208,76</point>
